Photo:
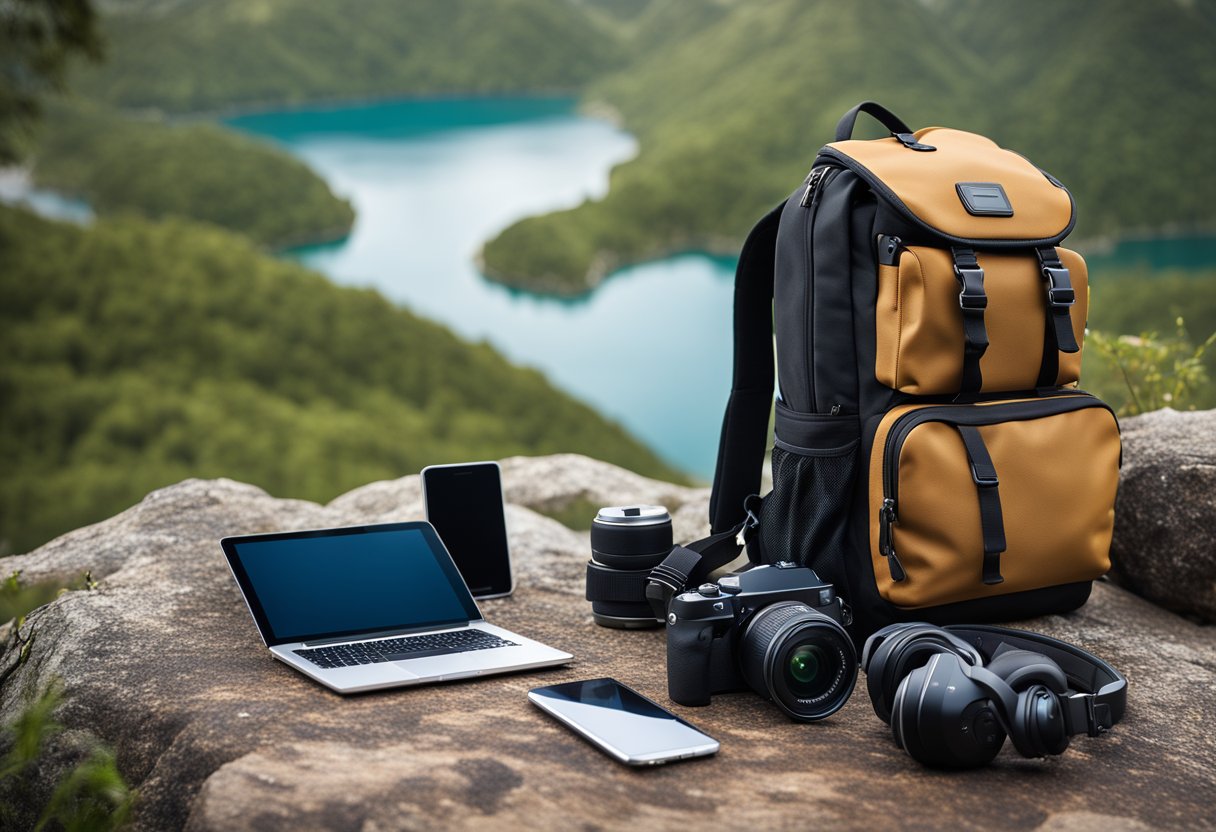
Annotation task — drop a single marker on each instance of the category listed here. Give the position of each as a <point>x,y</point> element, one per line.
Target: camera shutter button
<point>708,590</point>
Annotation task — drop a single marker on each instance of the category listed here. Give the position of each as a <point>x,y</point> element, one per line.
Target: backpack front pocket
<point>921,336</point>
<point>973,501</point>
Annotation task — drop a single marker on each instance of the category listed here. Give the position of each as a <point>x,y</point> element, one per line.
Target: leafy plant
<point>18,598</point>
<point>92,795</point>
<point>1158,372</point>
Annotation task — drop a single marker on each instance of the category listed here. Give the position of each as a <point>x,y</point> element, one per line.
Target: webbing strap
<point>973,301</point>
<point>992,523</point>
<point>1058,335</point>
<point>605,584</point>
<point>687,566</point>
<point>745,425</point>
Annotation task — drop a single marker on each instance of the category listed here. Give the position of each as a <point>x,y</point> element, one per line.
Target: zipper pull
<point>813,181</point>
<point>889,248</point>
<point>886,548</point>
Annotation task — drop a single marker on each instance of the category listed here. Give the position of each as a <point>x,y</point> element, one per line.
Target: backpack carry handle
<point>888,119</point>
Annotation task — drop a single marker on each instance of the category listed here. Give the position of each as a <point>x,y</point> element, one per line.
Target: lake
<point>432,180</point>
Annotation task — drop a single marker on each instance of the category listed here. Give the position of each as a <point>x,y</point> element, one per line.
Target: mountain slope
<point>195,170</point>
<point>135,354</point>
<point>217,54</point>
<point>1117,99</point>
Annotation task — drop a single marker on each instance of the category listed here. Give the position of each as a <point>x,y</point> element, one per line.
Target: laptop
<point>368,607</point>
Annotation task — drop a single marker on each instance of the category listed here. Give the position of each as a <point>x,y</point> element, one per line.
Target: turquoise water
<point>432,180</point>
<point>1182,253</point>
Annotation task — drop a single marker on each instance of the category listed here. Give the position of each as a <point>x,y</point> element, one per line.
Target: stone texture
<point>1164,545</point>
<point>163,663</point>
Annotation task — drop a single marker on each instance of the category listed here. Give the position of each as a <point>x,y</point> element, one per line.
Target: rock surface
<point>1164,546</point>
<point>163,663</point>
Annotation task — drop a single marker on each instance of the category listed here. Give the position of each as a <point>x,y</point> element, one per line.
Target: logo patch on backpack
<point>984,199</point>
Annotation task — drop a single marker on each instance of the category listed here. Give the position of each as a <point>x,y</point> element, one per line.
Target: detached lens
<point>800,658</point>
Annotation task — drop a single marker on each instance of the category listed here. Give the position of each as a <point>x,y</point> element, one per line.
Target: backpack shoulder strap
<point>744,429</point>
<point>745,426</point>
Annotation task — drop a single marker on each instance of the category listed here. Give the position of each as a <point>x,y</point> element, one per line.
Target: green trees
<point>136,354</point>
<point>219,54</point>
<point>1109,97</point>
<point>37,38</point>
<point>187,169</point>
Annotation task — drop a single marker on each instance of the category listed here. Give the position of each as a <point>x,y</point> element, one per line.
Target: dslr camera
<point>778,630</point>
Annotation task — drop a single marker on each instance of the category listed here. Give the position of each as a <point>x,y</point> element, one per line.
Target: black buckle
<point>985,479</point>
<point>973,295</point>
<point>1059,288</point>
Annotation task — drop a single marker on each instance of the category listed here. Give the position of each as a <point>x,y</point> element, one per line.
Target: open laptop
<point>369,607</point>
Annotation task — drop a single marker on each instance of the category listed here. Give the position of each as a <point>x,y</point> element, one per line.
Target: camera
<point>778,630</point>
<point>626,543</point>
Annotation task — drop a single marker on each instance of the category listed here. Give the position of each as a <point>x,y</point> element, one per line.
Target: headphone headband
<point>1097,697</point>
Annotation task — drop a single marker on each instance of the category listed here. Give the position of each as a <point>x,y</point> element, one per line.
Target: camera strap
<point>691,565</point>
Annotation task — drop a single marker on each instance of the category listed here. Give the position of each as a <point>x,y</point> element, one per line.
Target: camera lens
<point>626,543</point>
<point>800,658</point>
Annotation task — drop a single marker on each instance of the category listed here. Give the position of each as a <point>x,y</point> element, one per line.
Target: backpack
<point>932,455</point>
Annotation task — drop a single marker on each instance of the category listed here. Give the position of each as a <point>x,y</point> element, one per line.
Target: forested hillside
<point>222,54</point>
<point>135,354</point>
<point>1117,99</point>
<point>197,170</point>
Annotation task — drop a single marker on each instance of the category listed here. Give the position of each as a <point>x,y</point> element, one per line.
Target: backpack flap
<point>960,187</point>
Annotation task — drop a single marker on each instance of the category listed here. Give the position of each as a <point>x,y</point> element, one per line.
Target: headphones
<point>952,694</point>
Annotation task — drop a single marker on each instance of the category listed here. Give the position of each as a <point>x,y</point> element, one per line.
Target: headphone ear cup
<point>904,648</point>
<point>942,718</point>
<point>1038,723</point>
<point>1023,668</point>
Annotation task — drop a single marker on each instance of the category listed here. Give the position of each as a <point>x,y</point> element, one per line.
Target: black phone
<point>622,723</point>
<point>465,505</point>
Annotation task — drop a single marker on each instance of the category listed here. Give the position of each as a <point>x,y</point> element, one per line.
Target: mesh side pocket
<point>805,517</point>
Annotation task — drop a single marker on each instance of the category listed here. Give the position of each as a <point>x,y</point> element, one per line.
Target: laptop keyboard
<point>399,649</point>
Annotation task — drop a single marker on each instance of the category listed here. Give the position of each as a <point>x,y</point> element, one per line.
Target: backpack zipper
<point>956,414</point>
<point>813,180</point>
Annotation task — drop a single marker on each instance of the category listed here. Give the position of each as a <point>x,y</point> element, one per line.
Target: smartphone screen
<point>621,722</point>
<point>464,504</point>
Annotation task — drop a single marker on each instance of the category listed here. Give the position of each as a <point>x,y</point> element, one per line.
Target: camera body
<point>757,628</point>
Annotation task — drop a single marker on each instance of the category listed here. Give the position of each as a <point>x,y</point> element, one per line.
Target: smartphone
<point>464,503</point>
<point>622,723</point>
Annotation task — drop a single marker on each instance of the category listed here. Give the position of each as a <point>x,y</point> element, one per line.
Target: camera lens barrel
<point>626,543</point>
<point>800,658</point>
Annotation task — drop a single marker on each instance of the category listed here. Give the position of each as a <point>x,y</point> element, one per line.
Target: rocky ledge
<point>162,663</point>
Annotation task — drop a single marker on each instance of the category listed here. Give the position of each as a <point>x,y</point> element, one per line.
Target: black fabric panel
<point>745,426</point>
<point>791,289</point>
<point>999,609</point>
<point>833,357</point>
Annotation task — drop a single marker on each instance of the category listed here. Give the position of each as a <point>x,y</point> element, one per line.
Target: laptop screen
<point>306,586</point>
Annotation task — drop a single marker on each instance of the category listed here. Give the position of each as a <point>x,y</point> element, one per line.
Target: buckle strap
<point>692,564</point>
<point>972,300</point>
<point>1058,336</point>
<point>987,484</point>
